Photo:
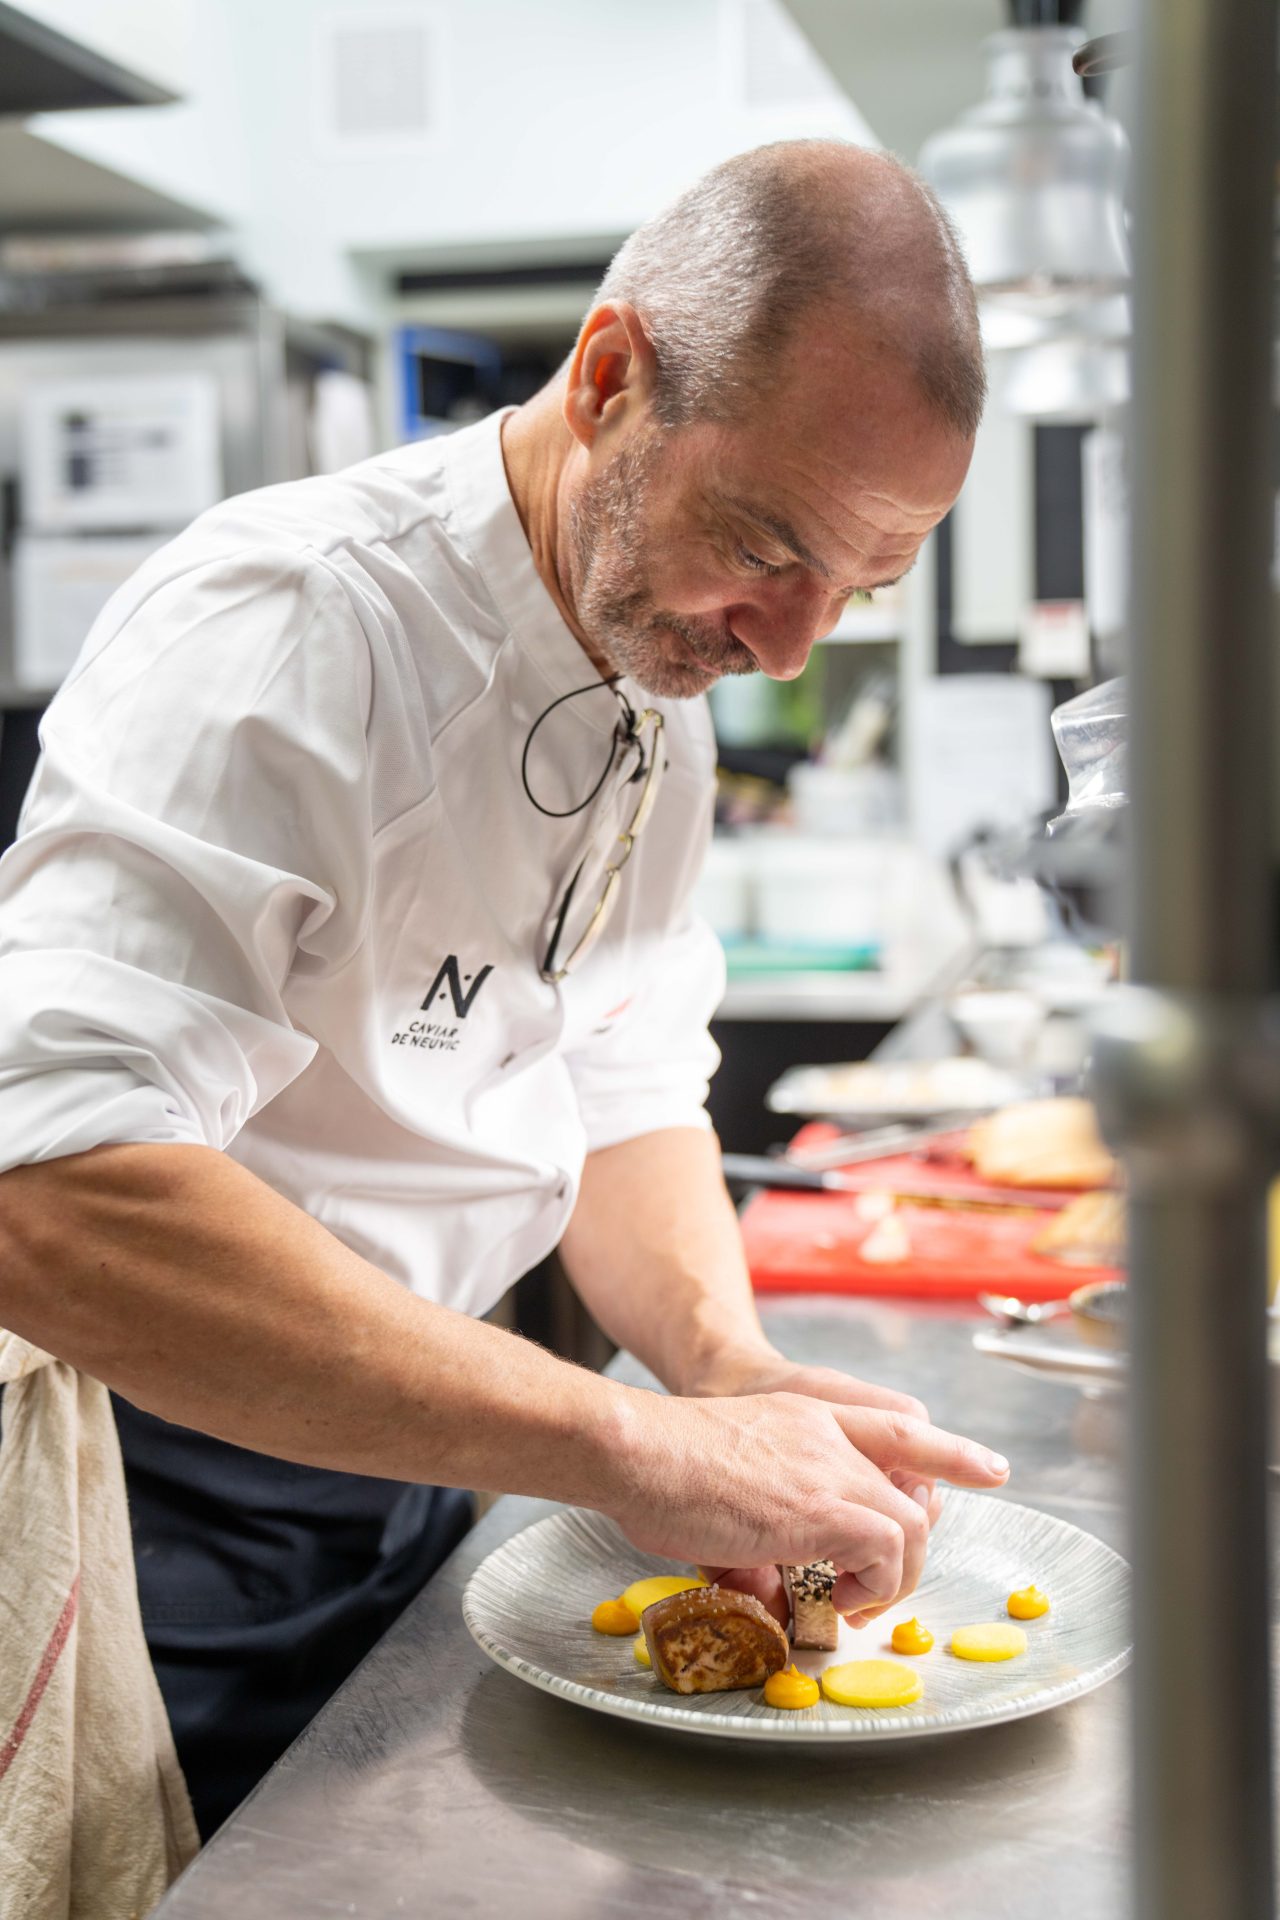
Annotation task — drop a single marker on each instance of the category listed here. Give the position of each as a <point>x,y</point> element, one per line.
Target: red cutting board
<point>809,1242</point>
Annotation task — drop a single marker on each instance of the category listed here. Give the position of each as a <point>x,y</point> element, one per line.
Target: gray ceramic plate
<point>529,1606</point>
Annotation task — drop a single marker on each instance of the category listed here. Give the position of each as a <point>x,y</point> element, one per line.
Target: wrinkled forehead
<point>843,489</point>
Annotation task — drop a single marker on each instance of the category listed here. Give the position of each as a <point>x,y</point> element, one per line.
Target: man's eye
<point>755,563</point>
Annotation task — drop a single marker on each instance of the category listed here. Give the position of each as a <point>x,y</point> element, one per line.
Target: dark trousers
<point>262,1585</point>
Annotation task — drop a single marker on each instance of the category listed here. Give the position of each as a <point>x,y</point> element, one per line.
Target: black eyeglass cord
<point>623,735</point>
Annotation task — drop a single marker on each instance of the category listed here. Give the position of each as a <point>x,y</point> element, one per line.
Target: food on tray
<point>1043,1143</point>
<point>1089,1231</point>
<point>810,1593</point>
<point>990,1640</point>
<point>872,1683</point>
<point>958,1085</point>
<point>701,1638</point>
<point>888,1244</point>
<point>791,1690</point>
<point>910,1637</point>
<point>642,1593</point>
<point>873,1205</point>
<point>614,1616</point>
<point>710,1640</point>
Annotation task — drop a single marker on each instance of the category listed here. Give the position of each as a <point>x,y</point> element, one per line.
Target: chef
<point>347,962</point>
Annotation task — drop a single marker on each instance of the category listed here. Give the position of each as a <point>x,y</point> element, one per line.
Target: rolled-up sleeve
<point>198,825</point>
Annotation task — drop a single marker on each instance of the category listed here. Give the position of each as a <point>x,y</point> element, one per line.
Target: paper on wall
<point>982,757</point>
<point>119,454</point>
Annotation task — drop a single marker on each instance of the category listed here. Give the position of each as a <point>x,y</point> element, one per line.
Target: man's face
<point>732,549</point>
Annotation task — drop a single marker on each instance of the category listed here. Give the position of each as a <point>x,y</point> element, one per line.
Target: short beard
<point>614,602</point>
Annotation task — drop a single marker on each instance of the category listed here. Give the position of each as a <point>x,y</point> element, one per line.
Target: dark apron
<point>262,1585</point>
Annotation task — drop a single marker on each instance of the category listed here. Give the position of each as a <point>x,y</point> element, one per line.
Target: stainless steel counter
<point>434,1783</point>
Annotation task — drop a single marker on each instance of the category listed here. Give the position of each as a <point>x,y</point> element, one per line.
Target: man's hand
<point>785,1477</point>
<point>765,1370</point>
<point>674,1289</point>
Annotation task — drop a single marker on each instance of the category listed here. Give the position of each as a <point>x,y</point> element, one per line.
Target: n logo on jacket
<point>461,994</point>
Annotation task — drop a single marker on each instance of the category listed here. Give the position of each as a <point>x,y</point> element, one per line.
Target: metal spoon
<point>1012,1312</point>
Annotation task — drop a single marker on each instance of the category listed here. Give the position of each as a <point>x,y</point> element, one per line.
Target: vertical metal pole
<point>1201,886</point>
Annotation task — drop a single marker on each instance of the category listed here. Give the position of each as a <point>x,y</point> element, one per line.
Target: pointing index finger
<point>895,1440</point>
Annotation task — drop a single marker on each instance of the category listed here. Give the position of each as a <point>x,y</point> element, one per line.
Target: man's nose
<point>782,635</point>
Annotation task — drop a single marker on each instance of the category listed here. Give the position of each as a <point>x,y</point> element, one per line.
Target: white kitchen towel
<point>95,1821</point>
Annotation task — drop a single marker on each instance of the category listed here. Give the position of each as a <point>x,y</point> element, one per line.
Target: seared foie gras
<point>814,1620</point>
<point>711,1640</point>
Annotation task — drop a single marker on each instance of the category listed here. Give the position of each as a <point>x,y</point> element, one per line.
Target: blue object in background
<point>440,371</point>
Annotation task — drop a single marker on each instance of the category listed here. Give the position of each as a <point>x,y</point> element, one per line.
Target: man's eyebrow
<point>786,536</point>
<point>782,530</point>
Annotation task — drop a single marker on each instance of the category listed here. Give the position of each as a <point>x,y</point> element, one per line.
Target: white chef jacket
<point>279,888</point>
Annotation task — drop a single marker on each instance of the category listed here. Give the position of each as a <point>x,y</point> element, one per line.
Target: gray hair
<point>722,277</point>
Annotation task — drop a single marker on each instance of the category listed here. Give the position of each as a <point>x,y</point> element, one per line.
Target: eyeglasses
<point>631,733</point>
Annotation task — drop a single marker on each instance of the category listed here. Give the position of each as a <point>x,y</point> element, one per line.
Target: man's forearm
<point>173,1275</point>
<point>180,1280</point>
<point>654,1250</point>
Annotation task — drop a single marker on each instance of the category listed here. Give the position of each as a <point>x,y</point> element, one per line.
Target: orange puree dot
<point>791,1689</point>
<point>1028,1603</point>
<point>614,1616</point>
<point>910,1637</point>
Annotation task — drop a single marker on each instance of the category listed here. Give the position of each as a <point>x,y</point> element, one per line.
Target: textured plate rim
<point>796,1728</point>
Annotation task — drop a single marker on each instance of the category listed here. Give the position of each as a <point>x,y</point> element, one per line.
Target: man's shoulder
<point>379,501</point>
<point>320,544</point>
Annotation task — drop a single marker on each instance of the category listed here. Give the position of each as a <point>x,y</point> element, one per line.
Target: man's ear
<point>612,373</point>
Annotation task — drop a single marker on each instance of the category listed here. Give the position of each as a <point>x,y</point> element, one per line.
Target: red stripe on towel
<point>44,1673</point>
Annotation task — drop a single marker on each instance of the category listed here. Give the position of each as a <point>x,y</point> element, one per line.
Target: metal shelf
<point>42,71</point>
<point>821,996</point>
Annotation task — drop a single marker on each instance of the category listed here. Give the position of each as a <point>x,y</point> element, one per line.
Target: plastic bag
<point>1092,735</point>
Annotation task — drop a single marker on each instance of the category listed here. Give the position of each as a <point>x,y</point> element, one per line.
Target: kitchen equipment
<point>804,1242</point>
<point>812,1243</point>
<point>910,1089</point>
<point>1034,178</point>
<point>777,1175</point>
<point>1056,1353</point>
<point>1012,1312</point>
<point>529,1607</point>
<point>1101,1314</point>
<point>815,1147</point>
<point>1002,1025</point>
<point>833,801</point>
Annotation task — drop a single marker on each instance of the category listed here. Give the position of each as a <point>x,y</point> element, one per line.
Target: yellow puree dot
<point>791,1689</point>
<point>614,1616</point>
<point>990,1640</point>
<point>642,1593</point>
<point>910,1637</point>
<point>640,1648</point>
<point>872,1683</point>
<point>1028,1603</point>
